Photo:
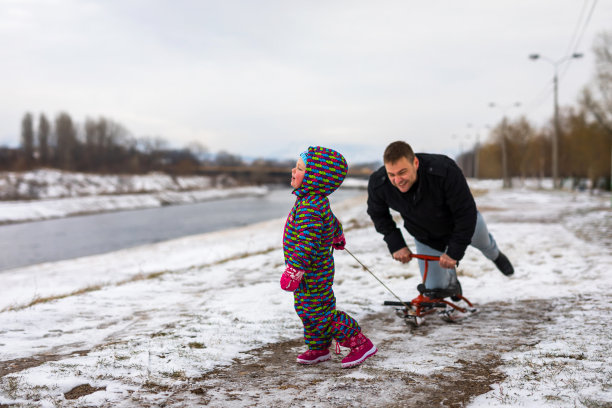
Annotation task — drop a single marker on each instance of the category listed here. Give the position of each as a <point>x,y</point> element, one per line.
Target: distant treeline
<point>105,146</point>
<point>585,149</point>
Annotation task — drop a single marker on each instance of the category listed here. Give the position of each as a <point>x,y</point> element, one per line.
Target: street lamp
<point>507,182</point>
<point>556,136</point>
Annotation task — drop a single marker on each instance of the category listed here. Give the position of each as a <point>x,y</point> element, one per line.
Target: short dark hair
<point>396,150</point>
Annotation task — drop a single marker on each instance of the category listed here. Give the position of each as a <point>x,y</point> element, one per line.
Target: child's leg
<point>313,309</point>
<point>333,323</point>
<point>322,321</point>
<point>343,326</point>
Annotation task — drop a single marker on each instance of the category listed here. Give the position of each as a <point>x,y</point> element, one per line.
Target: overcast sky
<point>268,78</point>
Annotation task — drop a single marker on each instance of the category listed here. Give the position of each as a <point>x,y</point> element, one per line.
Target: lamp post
<point>557,133</point>
<point>507,182</point>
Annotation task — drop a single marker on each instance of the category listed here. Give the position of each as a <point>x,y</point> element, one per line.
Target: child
<point>310,232</point>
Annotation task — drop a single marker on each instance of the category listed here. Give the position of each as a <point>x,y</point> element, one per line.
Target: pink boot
<point>361,348</point>
<point>314,356</point>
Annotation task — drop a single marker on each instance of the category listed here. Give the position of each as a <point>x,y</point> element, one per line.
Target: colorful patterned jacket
<point>311,226</point>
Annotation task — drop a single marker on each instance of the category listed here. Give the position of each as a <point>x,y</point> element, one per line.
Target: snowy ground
<point>201,320</point>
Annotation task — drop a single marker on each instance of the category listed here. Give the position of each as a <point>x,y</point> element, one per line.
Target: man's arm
<point>463,208</point>
<point>378,210</point>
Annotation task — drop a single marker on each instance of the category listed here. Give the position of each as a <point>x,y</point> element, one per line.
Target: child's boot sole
<point>315,361</point>
<point>363,358</point>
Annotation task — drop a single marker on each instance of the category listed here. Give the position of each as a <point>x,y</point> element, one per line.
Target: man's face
<point>403,173</point>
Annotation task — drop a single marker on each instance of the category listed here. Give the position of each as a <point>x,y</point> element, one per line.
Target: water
<point>66,238</point>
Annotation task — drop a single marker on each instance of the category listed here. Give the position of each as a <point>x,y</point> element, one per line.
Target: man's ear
<point>416,163</point>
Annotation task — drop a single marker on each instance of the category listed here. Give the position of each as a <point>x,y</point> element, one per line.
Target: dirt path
<point>466,357</point>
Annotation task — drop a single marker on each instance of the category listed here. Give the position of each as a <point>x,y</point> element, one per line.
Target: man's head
<point>401,165</point>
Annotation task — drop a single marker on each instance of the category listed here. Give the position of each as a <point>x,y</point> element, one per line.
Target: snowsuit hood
<point>325,172</point>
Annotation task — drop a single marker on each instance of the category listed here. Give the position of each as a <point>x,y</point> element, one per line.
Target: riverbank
<point>51,194</point>
<point>201,320</point>
<point>48,194</point>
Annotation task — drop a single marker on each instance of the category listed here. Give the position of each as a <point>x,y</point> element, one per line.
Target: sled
<point>432,301</point>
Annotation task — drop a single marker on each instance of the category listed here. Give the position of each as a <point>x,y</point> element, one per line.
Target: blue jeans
<point>440,278</point>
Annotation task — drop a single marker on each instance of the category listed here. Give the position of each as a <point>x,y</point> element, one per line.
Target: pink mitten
<point>339,242</point>
<point>291,279</point>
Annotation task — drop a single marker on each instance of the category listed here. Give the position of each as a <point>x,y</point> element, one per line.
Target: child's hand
<point>291,278</point>
<point>339,242</point>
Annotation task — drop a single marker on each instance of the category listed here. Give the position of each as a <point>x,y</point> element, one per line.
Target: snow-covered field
<point>201,321</point>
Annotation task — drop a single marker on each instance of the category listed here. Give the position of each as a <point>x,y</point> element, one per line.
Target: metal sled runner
<point>430,301</point>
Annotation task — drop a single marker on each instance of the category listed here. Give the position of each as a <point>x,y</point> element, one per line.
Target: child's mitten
<point>339,242</point>
<point>291,278</point>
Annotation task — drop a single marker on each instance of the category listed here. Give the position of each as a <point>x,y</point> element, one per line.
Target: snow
<point>56,194</point>
<point>145,322</point>
<point>17,211</point>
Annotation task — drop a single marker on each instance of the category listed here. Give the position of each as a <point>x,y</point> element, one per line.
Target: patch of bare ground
<point>438,364</point>
<point>20,364</point>
<point>82,390</point>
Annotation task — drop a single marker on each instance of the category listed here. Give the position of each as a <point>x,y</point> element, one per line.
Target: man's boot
<point>503,264</point>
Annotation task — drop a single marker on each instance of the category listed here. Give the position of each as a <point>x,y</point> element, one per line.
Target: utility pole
<point>557,126</point>
<point>507,181</point>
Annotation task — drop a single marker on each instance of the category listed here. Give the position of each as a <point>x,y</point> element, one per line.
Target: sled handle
<point>426,258</point>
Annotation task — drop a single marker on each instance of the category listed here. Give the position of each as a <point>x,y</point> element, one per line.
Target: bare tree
<point>27,138</point>
<point>44,129</point>
<point>198,150</point>
<point>520,134</point>
<point>226,159</point>
<point>66,135</point>
<point>91,151</point>
<point>598,98</point>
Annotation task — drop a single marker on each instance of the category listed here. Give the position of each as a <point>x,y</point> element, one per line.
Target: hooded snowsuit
<point>307,241</point>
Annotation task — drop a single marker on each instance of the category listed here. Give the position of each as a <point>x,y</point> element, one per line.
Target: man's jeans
<point>440,278</point>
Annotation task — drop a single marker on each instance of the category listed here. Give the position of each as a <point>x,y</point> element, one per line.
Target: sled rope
<point>376,277</point>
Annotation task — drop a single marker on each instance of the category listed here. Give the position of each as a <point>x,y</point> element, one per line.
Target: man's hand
<point>447,262</point>
<point>403,255</point>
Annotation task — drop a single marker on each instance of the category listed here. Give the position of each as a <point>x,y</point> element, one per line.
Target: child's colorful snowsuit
<point>309,232</point>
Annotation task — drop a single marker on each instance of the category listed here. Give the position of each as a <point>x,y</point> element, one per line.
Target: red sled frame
<point>422,305</point>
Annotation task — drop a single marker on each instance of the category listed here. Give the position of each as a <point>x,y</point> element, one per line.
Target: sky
<point>270,78</point>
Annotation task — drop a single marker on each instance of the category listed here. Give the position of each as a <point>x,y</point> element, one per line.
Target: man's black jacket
<point>438,210</point>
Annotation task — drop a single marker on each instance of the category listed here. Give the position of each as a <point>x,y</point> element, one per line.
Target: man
<point>433,198</point>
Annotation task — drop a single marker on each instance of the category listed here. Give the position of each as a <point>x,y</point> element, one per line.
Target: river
<point>66,238</point>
